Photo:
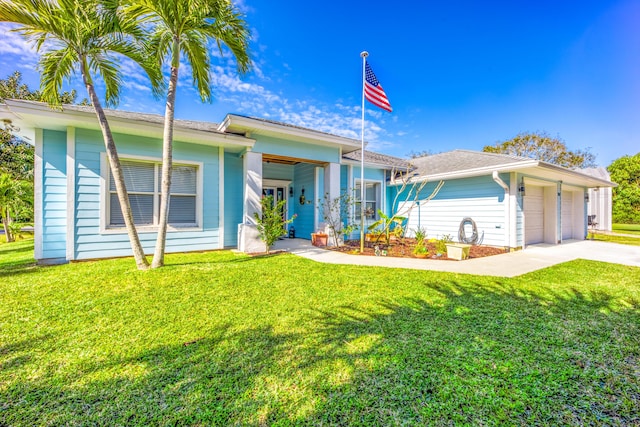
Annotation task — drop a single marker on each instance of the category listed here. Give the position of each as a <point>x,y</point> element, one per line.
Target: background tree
<point>186,27</point>
<point>16,157</point>
<point>625,171</point>
<point>83,35</point>
<point>417,154</point>
<point>16,154</point>
<point>16,201</point>
<point>541,146</point>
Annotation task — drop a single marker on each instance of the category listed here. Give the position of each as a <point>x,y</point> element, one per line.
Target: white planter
<point>458,251</point>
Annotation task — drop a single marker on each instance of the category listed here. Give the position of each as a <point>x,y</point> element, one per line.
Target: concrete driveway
<point>511,264</point>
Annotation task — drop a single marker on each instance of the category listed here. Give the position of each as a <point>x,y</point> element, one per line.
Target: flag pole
<point>364,55</point>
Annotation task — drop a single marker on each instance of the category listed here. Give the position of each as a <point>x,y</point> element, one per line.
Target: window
<point>143,185</point>
<point>371,201</point>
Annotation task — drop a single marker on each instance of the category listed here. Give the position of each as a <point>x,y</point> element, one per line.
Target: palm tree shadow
<point>462,360</point>
<point>467,355</point>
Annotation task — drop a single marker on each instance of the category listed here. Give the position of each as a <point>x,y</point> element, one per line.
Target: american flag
<point>373,90</point>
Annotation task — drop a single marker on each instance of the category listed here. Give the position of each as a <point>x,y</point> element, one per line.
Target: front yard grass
<point>626,228</point>
<point>227,339</point>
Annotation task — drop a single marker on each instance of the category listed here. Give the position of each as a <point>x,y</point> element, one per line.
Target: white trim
<point>38,176</point>
<point>104,196</point>
<point>316,193</point>
<point>513,210</point>
<point>276,183</point>
<point>529,167</point>
<point>350,190</point>
<point>220,197</point>
<point>380,193</point>
<point>234,123</point>
<point>39,114</point>
<point>71,194</point>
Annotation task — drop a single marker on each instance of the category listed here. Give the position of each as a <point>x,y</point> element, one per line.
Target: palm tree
<point>186,27</point>
<point>84,34</point>
<point>15,196</point>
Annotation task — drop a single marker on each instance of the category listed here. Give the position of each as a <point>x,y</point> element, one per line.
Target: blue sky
<point>459,74</point>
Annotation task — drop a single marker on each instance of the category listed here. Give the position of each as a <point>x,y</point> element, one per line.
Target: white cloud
<point>13,43</point>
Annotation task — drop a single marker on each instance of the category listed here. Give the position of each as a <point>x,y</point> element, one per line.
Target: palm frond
<point>194,46</point>
<point>56,66</point>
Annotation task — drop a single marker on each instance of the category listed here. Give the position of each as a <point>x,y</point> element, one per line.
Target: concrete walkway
<point>511,264</point>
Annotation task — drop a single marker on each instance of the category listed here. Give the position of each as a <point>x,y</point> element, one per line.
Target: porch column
<point>332,188</point>
<point>248,239</point>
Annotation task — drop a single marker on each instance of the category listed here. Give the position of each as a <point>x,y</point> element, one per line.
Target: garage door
<point>567,215</point>
<point>534,215</point>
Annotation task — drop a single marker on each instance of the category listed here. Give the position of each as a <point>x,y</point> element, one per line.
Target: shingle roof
<point>288,125</point>
<point>377,158</point>
<point>462,160</point>
<point>143,117</point>
<point>598,172</point>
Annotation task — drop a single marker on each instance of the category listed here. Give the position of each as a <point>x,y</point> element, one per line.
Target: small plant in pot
<point>421,251</point>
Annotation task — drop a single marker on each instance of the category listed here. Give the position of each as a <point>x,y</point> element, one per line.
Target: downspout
<point>501,183</point>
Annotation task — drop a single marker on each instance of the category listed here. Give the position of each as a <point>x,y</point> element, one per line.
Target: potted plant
<point>421,251</point>
<point>458,251</point>
<point>319,238</point>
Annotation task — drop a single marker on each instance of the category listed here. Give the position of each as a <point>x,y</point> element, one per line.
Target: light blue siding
<point>304,176</point>
<point>344,178</point>
<point>296,149</point>
<point>54,194</point>
<point>91,243</point>
<point>369,174</point>
<point>277,171</point>
<point>233,198</point>
<point>479,198</point>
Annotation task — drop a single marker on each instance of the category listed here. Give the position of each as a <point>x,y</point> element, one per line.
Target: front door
<point>278,194</point>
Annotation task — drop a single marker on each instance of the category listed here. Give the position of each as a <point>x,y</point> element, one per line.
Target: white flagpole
<point>364,55</point>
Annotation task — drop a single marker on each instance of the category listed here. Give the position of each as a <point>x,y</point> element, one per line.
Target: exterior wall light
<point>302,198</point>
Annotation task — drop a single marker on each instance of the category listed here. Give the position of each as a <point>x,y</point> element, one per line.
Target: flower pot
<point>422,256</point>
<point>319,239</point>
<point>458,251</point>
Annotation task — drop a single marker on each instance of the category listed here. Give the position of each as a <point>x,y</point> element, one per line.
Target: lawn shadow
<point>15,259</point>
<point>487,355</point>
<point>477,355</point>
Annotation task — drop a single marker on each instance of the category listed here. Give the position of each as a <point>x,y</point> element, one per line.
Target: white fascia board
<point>469,173</point>
<point>532,168</point>
<point>42,116</point>
<point>239,124</point>
<point>574,177</point>
<point>369,164</point>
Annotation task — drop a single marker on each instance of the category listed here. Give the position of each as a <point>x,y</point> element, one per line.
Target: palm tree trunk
<point>167,159</point>
<point>116,172</point>
<point>6,220</point>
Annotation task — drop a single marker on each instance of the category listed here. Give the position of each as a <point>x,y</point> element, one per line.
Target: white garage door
<point>534,215</point>
<point>567,215</point>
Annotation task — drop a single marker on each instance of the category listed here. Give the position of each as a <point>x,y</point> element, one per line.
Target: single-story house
<point>221,172</point>
<point>513,201</point>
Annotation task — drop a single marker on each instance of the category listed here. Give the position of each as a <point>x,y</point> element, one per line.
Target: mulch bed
<point>404,249</point>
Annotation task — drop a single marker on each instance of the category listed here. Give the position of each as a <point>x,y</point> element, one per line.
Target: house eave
<point>35,115</point>
<point>532,168</point>
<point>248,126</point>
<point>373,165</point>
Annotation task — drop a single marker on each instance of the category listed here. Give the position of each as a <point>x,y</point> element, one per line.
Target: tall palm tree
<point>84,35</point>
<point>187,27</point>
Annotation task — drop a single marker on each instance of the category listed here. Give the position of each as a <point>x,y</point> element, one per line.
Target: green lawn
<point>626,228</point>
<point>226,339</point>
